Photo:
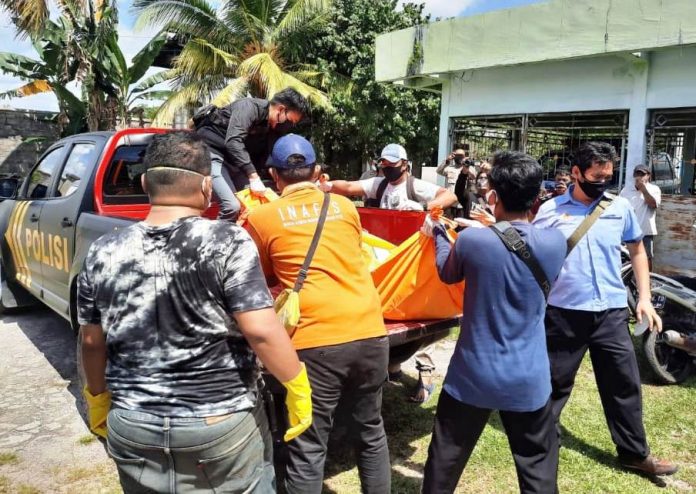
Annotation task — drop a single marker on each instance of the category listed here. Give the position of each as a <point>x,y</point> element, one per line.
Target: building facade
<point>544,77</point>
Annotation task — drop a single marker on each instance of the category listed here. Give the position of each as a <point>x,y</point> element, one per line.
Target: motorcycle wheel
<point>670,365</point>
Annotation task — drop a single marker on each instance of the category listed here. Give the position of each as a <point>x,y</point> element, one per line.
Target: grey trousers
<point>187,455</point>
<point>223,188</point>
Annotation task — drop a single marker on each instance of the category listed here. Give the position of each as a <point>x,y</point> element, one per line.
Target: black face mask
<point>392,173</point>
<point>593,190</point>
<point>285,127</point>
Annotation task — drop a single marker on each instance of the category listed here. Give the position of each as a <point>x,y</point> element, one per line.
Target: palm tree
<point>241,47</point>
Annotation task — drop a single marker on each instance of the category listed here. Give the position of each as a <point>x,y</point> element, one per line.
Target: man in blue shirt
<point>588,305</point>
<point>500,360</point>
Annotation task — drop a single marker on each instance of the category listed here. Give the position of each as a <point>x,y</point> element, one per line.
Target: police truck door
<point>58,218</point>
<point>22,236</point>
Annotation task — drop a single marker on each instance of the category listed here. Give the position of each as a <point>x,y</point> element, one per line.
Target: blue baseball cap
<point>289,145</point>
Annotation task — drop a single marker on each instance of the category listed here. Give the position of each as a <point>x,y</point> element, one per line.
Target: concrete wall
<point>601,83</point>
<point>551,30</point>
<point>17,154</point>
<point>24,136</point>
<point>665,78</point>
<point>676,237</point>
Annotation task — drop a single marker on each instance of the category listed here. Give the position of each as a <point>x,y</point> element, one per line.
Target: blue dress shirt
<point>590,279</point>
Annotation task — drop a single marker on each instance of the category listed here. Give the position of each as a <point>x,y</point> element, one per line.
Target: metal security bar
<point>671,149</point>
<point>549,137</point>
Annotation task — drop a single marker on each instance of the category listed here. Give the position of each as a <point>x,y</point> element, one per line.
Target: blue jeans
<point>230,454</point>
<point>224,189</point>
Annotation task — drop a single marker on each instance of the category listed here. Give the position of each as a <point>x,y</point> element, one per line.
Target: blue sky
<point>132,40</point>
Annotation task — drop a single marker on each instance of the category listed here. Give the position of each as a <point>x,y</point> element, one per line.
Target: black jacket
<point>247,141</point>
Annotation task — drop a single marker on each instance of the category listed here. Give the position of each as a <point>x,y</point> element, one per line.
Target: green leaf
<point>154,80</point>
<point>21,66</point>
<point>144,58</point>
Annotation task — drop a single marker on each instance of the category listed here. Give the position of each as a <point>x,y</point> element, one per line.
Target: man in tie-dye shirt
<point>174,311</point>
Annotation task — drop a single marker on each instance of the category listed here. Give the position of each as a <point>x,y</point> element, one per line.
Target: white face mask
<point>488,200</point>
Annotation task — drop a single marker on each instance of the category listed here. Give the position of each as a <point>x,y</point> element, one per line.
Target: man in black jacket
<point>240,137</point>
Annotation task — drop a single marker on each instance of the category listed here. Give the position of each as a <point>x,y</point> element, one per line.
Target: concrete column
<point>444,144</point>
<point>638,116</point>
<point>688,168</point>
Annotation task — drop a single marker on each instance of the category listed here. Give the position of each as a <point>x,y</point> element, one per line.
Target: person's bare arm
<point>346,188</point>
<point>649,199</point>
<point>271,343</point>
<point>444,199</point>
<point>93,359</point>
<point>641,271</point>
<point>440,170</point>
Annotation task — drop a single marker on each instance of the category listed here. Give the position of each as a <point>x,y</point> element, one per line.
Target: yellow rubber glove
<point>97,409</point>
<point>299,403</point>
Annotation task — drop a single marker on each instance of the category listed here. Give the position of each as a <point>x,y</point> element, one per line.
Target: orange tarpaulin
<point>249,201</point>
<point>405,276</point>
<point>409,286</point>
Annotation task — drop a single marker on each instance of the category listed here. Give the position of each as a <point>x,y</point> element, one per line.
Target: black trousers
<point>355,373</point>
<point>571,333</point>
<point>458,426</point>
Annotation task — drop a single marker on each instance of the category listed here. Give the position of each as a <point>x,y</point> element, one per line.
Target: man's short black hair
<point>593,152</point>
<point>302,173</point>
<point>516,178</point>
<point>563,172</point>
<point>181,149</point>
<point>292,100</point>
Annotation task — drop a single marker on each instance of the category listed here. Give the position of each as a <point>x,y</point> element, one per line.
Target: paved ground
<point>45,445</point>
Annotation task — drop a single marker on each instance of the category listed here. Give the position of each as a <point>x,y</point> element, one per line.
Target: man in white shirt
<point>397,189</point>
<point>645,198</point>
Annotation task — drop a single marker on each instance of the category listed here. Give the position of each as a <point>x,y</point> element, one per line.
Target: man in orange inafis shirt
<point>341,336</point>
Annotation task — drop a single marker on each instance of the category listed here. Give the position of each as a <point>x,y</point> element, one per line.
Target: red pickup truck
<point>89,184</point>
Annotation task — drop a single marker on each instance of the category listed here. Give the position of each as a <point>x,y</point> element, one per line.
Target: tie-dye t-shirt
<point>164,297</point>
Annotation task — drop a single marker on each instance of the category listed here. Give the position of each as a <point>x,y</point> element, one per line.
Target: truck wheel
<point>669,365</point>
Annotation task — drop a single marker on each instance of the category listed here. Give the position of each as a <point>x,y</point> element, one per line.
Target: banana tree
<point>117,79</point>
<point>53,70</point>
<point>239,47</point>
<point>81,45</point>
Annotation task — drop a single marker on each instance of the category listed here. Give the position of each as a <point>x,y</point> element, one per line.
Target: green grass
<point>453,334</point>
<point>8,458</point>
<point>587,461</point>
<point>87,439</point>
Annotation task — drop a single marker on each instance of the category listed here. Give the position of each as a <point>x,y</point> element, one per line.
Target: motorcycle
<point>671,354</point>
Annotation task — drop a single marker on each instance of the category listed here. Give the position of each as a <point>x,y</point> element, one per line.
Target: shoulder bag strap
<point>302,276</point>
<point>587,223</point>
<point>516,244</point>
<point>380,192</point>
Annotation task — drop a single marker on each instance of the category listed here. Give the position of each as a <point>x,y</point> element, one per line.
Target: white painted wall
<point>672,78</point>
<point>662,79</point>
<point>600,83</point>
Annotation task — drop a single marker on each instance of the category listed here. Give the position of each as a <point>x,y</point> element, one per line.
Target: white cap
<point>393,153</point>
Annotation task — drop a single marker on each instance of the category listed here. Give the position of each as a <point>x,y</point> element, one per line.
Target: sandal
<point>423,392</point>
